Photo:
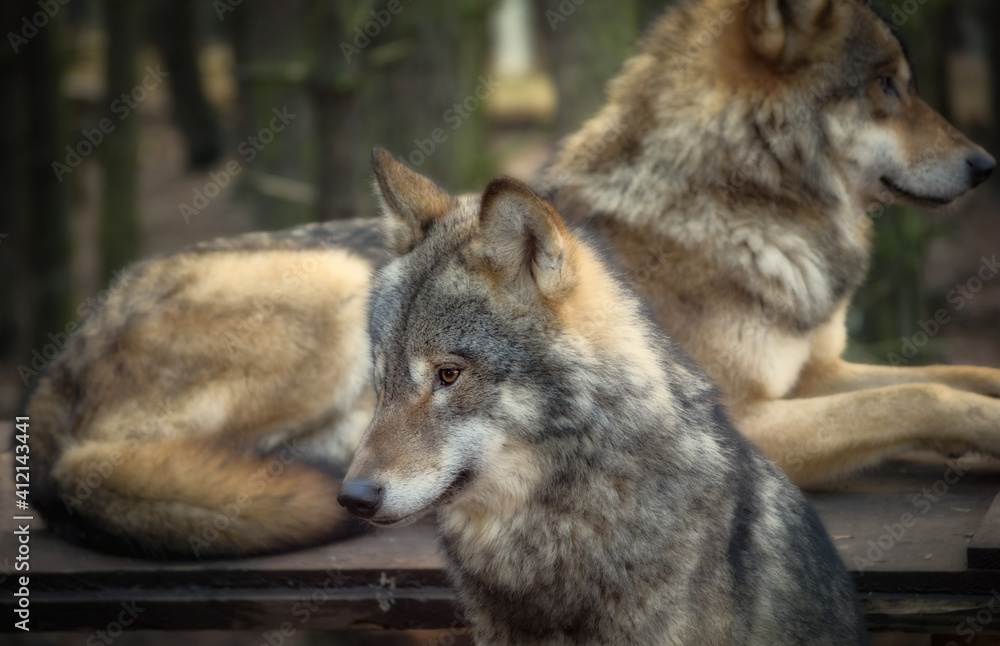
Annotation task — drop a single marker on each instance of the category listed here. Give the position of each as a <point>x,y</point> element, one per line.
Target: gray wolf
<point>589,488</point>
<point>730,175</point>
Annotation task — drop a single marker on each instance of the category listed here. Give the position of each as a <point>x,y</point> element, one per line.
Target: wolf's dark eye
<point>448,376</point>
<point>888,86</point>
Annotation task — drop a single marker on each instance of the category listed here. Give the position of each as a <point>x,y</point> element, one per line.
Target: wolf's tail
<point>175,496</point>
<point>184,497</point>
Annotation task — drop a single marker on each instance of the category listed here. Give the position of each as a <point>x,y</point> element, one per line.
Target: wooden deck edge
<point>934,614</point>
<point>380,609</point>
<point>984,550</point>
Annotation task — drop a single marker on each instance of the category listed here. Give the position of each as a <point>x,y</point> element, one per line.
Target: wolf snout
<point>981,166</point>
<point>363,498</point>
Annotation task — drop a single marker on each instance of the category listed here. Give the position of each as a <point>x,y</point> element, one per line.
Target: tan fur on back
<point>171,397</point>
<point>219,302</point>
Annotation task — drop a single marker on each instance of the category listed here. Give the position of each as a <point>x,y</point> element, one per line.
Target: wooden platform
<point>921,539</point>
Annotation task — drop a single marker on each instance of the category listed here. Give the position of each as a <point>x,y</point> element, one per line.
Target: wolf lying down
<point>588,485</point>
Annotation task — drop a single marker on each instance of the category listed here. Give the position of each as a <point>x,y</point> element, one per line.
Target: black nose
<point>981,166</point>
<point>361,497</point>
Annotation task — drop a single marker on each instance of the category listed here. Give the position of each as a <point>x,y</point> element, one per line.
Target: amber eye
<point>448,376</point>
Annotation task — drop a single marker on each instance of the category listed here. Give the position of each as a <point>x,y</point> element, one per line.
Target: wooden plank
<point>887,533</point>
<point>349,608</point>
<point>360,609</point>
<point>408,557</point>
<point>964,640</point>
<point>937,614</point>
<point>916,514</point>
<point>984,550</point>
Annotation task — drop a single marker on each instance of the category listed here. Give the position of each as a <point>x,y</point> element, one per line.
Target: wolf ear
<point>780,30</point>
<point>409,201</point>
<point>523,239</point>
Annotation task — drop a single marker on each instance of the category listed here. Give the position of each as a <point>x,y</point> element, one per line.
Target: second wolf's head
<point>478,333</point>
<point>792,102</point>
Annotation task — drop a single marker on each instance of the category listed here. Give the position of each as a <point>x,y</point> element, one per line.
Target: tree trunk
<point>272,70</point>
<point>427,89</point>
<point>34,238</point>
<point>585,46</point>
<point>414,81</point>
<point>172,28</point>
<point>336,92</point>
<point>119,228</point>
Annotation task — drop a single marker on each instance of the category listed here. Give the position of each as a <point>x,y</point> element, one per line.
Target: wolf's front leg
<point>817,439</point>
<point>841,376</point>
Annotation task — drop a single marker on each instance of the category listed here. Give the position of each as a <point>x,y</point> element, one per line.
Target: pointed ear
<point>780,30</point>
<point>523,239</point>
<point>409,201</point>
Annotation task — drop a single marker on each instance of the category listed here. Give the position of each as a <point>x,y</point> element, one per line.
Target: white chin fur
<point>407,501</point>
<point>404,521</point>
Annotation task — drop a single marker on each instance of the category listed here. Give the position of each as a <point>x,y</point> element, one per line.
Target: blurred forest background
<point>134,127</point>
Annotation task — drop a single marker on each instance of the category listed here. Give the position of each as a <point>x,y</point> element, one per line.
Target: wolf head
<point>887,144</point>
<point>473,328</point>
<point>784,101</point>
<point>451,332</point>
